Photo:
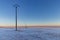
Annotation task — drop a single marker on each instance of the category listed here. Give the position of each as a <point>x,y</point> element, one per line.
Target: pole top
<point>16,5</point>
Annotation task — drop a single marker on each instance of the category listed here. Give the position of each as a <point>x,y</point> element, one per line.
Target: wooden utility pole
<point>16,17</point>
<point>16,6</point>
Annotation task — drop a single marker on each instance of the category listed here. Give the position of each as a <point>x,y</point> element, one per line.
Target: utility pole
<point>16,7</point>
<point>16,17</point>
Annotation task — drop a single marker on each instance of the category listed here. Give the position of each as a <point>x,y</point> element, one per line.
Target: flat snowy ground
<point>30,34</point>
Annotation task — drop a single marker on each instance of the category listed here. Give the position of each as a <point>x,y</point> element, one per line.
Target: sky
<point>30,12</point>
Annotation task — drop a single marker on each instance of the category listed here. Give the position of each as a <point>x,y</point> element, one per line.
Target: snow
<point>30,34</point>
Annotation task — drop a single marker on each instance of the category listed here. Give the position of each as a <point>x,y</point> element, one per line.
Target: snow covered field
<point>30,34</point>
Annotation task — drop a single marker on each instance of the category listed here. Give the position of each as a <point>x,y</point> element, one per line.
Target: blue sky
<point>30,12</point>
